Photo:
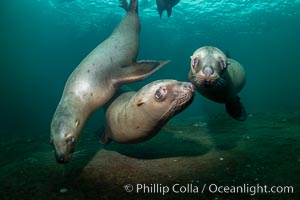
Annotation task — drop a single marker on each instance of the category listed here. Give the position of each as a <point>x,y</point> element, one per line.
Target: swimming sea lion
<point>95,80</point>
<point>166,5</point>
<point>219,79</point>
<point>138,116</point>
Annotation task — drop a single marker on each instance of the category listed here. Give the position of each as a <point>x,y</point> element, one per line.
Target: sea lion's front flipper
<point>137,71</point>
<point>103,138</point>
<point>236,109</point>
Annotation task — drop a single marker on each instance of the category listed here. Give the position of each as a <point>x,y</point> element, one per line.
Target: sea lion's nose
<point>60,158</point>
<point>208,71</point>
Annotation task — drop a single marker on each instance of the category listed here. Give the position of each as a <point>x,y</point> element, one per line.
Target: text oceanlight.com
<point>210,188</point>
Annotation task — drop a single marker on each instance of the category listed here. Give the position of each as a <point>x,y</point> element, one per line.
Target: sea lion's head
<point>163,99</point>
<point>207,65</point>
<point>66,126</point>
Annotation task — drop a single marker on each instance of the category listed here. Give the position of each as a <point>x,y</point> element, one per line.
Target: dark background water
<point>41,42</point>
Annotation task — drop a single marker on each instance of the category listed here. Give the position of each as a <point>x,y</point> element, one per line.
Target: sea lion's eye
<point>158,94</point>
<point>70,140</point>
<point>161,94</point>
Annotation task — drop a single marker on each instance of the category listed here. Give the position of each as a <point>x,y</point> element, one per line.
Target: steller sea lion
<point>166,5</point>
<point>138,116</point>
<point>218,78</point>
<point>95,80</point>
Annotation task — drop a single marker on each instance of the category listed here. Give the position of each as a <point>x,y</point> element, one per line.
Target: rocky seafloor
<point>193,152</point>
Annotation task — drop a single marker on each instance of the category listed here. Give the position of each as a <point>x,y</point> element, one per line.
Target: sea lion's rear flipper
<point>137,71</point>
<point>133,5</point>
<point>236,109</point>
<point>169,11</point>
<point>103,138</point>
<point>160,13</point>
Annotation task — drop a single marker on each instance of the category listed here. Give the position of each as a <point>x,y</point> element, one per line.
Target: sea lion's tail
<point>133,5</point>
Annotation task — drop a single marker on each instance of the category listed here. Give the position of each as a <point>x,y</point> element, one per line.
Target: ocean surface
<point>41,43</point>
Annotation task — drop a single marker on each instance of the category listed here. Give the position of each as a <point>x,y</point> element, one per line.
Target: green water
<point>42,41</point>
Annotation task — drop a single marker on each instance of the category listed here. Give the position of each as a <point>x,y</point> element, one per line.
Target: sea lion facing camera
<point>138,116</point>
<point>219,79</point>
<point>96,79</point>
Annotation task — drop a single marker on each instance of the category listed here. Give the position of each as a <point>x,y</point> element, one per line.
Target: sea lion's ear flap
<point>227,62</point>
<point>140,102</point>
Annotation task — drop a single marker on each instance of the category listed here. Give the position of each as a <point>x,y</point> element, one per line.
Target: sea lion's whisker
<point>220,82</point>
<point>79,151</point>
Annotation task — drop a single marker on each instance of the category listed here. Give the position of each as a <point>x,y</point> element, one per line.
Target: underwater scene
<point>150,99</point>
